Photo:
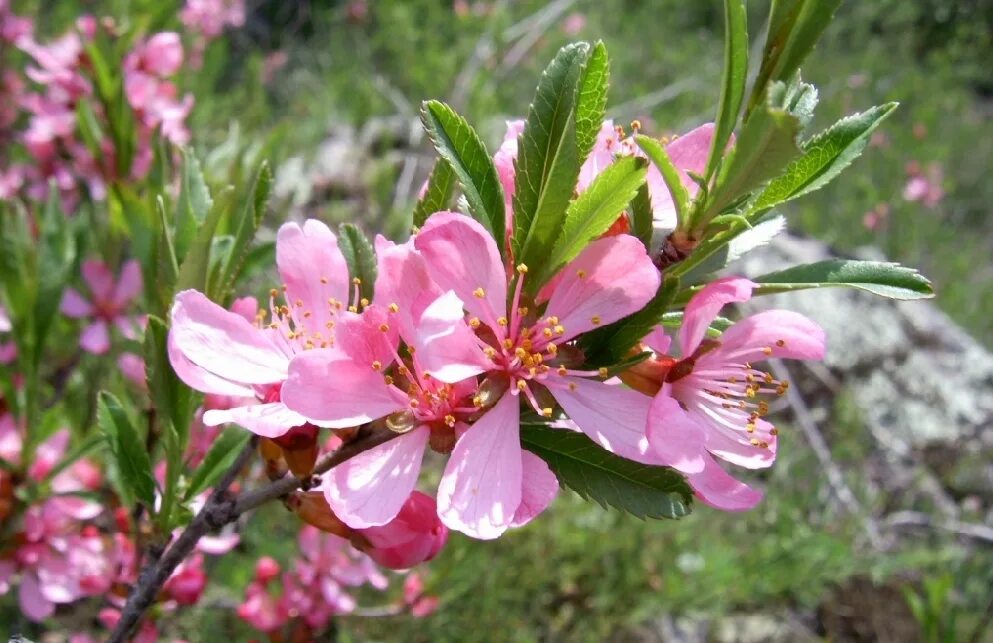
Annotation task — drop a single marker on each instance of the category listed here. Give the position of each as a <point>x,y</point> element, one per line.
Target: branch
<point>219,510</point>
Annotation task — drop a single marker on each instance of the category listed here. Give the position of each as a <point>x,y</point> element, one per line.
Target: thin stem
<point>219,510</point>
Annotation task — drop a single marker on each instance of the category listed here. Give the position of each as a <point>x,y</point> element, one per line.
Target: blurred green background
<point>301,72</point>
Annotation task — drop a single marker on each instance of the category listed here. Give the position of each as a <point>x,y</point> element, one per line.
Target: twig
<point>219,510</point>
<point>535,26</point>
<point>972,530</point>
<point>835,478</point>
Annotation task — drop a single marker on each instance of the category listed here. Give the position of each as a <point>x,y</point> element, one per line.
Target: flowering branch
<point>221,510</point>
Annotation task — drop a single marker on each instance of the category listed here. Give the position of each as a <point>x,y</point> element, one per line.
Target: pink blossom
<point>187,582</point>
<point>924,187</point>
<point>413,537</point>
<point>706,402</point>
<point>210,17</point>
<point>220,352</point>
<point>109,299</point>
<point>420,604</point>
<point>8,350</point>
<point>574,23</point>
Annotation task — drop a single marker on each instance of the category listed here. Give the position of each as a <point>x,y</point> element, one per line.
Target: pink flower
<point>109,300</point>
<point>574,23</point>
<point>413,537</point>
<point>490,483</point>
<point>220,352</point>
<point>188,581</point>
<point>210,17</point>
<point>420,604</point>
<point>706,405</point>
<point>924,187</point>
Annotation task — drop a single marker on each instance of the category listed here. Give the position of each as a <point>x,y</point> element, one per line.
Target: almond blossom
<point>220,352</point>
<point>109,298</point>
<point>707,404</point>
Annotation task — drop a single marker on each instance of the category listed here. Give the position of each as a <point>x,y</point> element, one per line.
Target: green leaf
<point>794,28</point>
<point>733,82</point>
<point>766,146</point>
<point>642,216</point>
<point>89,128</point>
<point>441,188</point>
<point>246,226</point>
<point>879,277</point>
<point>219,458</point>
<point>610,344</point>
<point>134,467</point>
<point>461,147</point>
<point>796,97</point>
<point>824,157</point>
<point>172,400</point>
<point>196,261</point>
<point>193,205</point>
<point>591,104</point>
<point>596,474</point>
<point>548,159</point>
<point>595,211</point>
<point>360,257</point>
<point>660,158</point>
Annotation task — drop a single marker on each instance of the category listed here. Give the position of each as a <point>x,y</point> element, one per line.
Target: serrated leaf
<point>437,197</point>
<point>220,456</point>
<point>794,28</point>
<point>548,158</point>
<point>173,401</point>
<point>457,142</point>
<point>642,216</point>
<point>824,157</point>
<point>591,104</point>
<point>610,344</point>
<point>670,175</point>
<point>879,277</point>
<point>360,257</point>
<point>195,264</point>
<point>192,206</point>
<point>596,209</point>
<point>246,227</point>
<point>596,474</point>
<point>797,98</point>
<point>767,145</point>
<point>134,467</point>
<point>733,81</point>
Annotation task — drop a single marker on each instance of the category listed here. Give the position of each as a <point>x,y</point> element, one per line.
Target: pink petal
<point>462,256</point>
<point>504,159</point>
<point>606,147</point>
<point>77,508</point>
<point>74,304</point>
<point>689,153</point>
<point>540,486</point>
<point>337,392</point>
<point>99,278</point>
<point>719,490</point>
<point>201,379</point>
<point>95,338</point>
<point>705,305</point>
<point>219,544</point>
<point>313,270</point>
<point>369,489</point>
<point>481,488</point>
<point>7,570</point>
<point>736,447</point>
<point>268,420</point>
<point>33,604</point>
<point>403,280</point>
<point>129,284</point>
<point>612,278</point>
<point>224,343</point>
<point>675,437</point>
<point>246,307</point>
<point>748,339</point>
<point>445,346</point>
<point>613,416</point>
<point>658,341</point>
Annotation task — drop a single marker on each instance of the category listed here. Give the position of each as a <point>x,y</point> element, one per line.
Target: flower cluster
<point>452,355</point>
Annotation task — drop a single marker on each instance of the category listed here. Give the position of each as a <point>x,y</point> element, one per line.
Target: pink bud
<point>416,535</point>
<point>266,569</point>
<point>187,584</point>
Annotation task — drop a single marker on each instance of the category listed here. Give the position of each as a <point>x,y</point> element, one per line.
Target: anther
<point>384,328</point>
<point>547,412</point>
<point>377,365</point>
<point>478,293</point>
<point>522,268</point>
<point>394,308</point>
<point>595,320</point>
<point>602,371</point>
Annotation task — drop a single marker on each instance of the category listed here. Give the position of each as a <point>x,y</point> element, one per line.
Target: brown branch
<point>221,509</point>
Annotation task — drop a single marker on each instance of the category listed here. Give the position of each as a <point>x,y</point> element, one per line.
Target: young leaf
<point>879,277</point>
<point>245,228</point>
<point>360,257</point>
<point>461,147</point>
<point>733,82</point>
<point>657,155</point>
<point>595,211</point>
<point>134,468</point>
<point>196,261</point>
<point>193,204</point>
<point>642,216</point>
<point>548,158</point>
<point>441,187</point>
<point>221,455</point>
<point>596,474</point>
<point>591,103</point>
<point>824,157</point>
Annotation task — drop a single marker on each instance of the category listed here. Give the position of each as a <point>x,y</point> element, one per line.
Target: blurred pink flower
<point>876,218</point>
<point>574,23</point>
<point>924,187</point>
<point>110,297</point>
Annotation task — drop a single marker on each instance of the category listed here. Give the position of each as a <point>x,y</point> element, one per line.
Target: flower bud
<point>272,455</point>
<point>266,569</point>
<point>313,509</point>
<point>416,535</point>
<point>187,584</point>
<point>300,449</point>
